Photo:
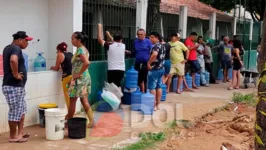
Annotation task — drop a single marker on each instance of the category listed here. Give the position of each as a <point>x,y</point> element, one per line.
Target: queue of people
<point>155,60</point>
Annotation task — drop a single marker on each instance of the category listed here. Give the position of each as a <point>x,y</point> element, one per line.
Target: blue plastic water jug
<point>131,78</point>
<point>26,61</point>
<point>164,94</point>
<point>220,74</point>
<point>39,63</point>
<point>197,80</point>
<point>127,94</point>
<point>174,85</point>
<point>136,100</point>
<point>189,80</point>
<point>207,77</point>
<point>102,105</point>
<point>230,73</point>
<point>147,103</point>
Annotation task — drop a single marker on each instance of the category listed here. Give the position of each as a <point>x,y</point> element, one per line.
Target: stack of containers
<point>131,85</point>
<point>197,79</point>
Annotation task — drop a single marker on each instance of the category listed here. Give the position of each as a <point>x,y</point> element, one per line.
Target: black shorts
<point>237,65</point>
<point>115,76</point>
<point>226,64</point>
<point>143,72</point>
<point>194,66</point>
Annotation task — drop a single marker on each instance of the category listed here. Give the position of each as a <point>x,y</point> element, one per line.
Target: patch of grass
<point>147,140</point>
<point>249,99</point>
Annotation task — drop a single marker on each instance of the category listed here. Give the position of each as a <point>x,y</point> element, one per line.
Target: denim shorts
<point>167,67</point>
<point>155,79</point>
<point>194,66</point>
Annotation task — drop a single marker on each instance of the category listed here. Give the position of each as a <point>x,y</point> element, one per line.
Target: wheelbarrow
<point>250,76</point>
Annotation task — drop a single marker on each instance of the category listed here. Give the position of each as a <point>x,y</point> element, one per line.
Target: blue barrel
<point>230,73</point>
<point>174,85</point>
<point>136,100</point>
<point>26,61</point>
<point>147,103</point>
<point>164,94</point>
<point>207,77</point>
<point>131,78</point>
<point>197,80</point>
<point>39,63</point>
<point>189,80</point>
<point>220,74</point>
<point>102,105</point>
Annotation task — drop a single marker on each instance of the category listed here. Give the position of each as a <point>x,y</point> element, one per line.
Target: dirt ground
<point>232,126</point>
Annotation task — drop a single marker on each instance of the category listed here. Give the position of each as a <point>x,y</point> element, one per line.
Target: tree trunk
<point>262,56</point>
<point>260,128</point>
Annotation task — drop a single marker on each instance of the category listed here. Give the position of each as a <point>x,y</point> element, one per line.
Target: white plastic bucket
<point>55,123</point>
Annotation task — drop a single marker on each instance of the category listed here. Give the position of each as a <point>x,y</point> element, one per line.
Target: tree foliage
<point>255,7</point>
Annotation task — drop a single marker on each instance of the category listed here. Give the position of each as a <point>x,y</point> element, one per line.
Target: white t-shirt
<point>116,55</point>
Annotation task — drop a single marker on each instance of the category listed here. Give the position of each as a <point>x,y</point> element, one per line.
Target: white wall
<point>30,16</point>
<point>51,21</point>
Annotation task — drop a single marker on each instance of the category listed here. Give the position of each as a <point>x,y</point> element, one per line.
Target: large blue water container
<point>230,73</point>
<point>39,63</point>
<point>220,74</point>
<point>136,100</point>
<point>147,103</point>
<point>189,80</point>
<point>207,77</point>
<point>174,85</point>
<point>197,79</point>
<point>164,94</point>
<point>102,105</point>
<point>26,59</point>
<point>131,78</point>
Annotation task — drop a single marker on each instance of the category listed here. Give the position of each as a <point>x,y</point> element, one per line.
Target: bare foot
<point>91,125</point>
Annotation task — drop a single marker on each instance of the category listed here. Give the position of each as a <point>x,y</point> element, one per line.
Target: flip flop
<point>27,135</point>
<point>195,88</point>
<point>22,140</point>
<point>189,90</point>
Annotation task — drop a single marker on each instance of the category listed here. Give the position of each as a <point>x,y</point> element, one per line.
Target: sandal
<point>195,87</point>
<point>189,90</point>
<point>27,135</point>
<point>230,88</point>
<point>22,140</point>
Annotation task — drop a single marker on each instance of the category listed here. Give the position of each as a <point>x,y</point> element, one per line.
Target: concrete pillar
<point>212,26</point>
<point>141,14</point>
<point>183,22</point>
<point>234,25</point>
<point>251,30</point>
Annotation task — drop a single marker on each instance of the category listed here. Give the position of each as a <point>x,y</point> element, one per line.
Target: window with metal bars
<point>116,16</point>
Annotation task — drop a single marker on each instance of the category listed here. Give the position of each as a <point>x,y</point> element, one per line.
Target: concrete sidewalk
<point>124,124</point>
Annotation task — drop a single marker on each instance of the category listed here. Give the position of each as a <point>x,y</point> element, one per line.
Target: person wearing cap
<point>177,59</point>
<point>13,87</point>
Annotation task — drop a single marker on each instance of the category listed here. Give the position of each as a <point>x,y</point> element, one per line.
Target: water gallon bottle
<point>164,94</point>
<point>39,63</point>
<point>26,59</point>
<point>131,78</point>
<point>189,80</point>
<point>102,105</point>
<point>230,73</point>
<point>174,84</point>
<point>147,103</point>
<point>136,100</point>
<point>220,74</point>
<point>207,77</point>
<point>197,79</point>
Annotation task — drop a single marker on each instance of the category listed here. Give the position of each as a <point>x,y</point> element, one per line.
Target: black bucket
<point>41,117</point>
<point>77,128</point>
